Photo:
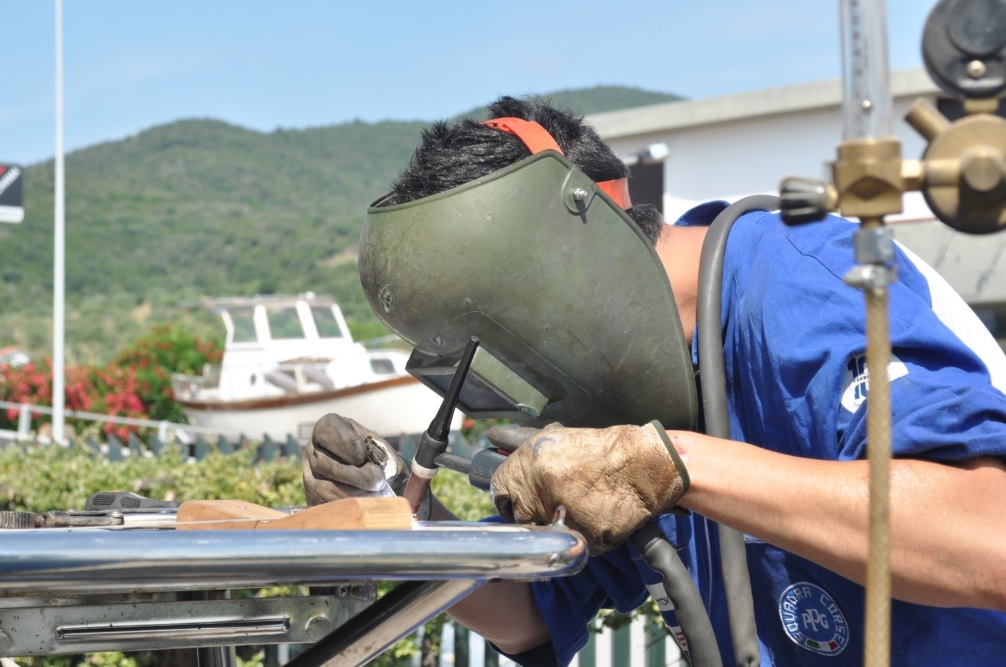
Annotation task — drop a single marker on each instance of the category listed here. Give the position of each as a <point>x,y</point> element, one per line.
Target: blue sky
<point>134,64</point>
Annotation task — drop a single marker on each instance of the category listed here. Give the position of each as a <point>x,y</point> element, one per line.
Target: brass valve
<point>963,171</point>
<point>962,174</point>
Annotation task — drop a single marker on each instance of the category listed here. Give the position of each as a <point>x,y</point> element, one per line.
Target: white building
<point>728,147</point>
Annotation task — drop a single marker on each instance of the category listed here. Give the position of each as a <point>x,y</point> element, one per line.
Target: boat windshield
<point>244,325</point>
<point>324,319</point>
<point>284,323</point>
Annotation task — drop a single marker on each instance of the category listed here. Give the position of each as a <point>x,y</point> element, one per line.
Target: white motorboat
<point>288,360</point>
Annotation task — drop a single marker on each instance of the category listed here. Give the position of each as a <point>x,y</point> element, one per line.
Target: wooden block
<point>386,513</point>
<point>214,515</point>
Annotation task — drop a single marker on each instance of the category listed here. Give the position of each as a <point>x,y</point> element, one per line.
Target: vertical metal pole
<point>58,280</point>
<point>870,156</point>
<point>214,656</point>
<point>874,249</point>
<point>878,438</point>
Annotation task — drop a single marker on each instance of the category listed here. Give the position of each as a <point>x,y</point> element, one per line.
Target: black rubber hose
<point>733,554</point>
<point>695,624</point>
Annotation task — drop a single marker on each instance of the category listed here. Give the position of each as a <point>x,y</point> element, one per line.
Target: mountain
<point>203,208</point>
<point>594,100</point>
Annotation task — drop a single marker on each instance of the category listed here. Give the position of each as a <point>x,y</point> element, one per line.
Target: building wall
<point>718,150</point>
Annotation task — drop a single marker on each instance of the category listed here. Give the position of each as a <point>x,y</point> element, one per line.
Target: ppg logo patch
<point>812,619</point>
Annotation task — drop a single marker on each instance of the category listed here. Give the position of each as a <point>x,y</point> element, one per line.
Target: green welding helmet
<point>576,319</point>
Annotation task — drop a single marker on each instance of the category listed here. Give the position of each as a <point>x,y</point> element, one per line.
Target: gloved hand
<point>610,480</point>
<point>344,459</point>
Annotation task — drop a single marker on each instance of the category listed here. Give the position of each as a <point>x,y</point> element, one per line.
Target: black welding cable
<point>660,555</point>
<point>733,554</point>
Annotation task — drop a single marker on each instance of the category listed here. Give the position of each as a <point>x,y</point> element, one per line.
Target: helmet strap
<point>538,139</point>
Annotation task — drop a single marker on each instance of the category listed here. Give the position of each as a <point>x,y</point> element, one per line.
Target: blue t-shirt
<point>794,346</point>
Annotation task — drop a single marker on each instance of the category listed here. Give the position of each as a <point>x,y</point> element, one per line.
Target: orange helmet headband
<point>537,139</point>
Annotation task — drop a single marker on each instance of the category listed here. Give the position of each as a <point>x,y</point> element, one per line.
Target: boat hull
<point>391,408</point>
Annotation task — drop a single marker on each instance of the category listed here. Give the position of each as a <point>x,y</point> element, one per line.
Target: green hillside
<point>595,100</point>
<point>203,208</point>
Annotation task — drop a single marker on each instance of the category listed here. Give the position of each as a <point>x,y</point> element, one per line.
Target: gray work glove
<point>610,480</point>
<point>345,459</point>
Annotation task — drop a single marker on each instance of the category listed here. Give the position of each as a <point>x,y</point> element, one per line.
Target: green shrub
<point>50,477</point>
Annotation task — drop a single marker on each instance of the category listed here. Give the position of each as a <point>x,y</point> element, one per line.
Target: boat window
<point>285,324</point>
<point>244,325</point>
<point>324,319</point>
<point>382,365</point>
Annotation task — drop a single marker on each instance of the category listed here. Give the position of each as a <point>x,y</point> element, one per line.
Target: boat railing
<point>300,375</point>
<point>190,386</point>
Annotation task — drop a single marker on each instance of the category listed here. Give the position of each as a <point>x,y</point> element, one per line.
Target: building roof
<point>787,99</point>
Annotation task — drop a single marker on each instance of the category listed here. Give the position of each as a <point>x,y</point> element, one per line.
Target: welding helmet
<point>575,316</point>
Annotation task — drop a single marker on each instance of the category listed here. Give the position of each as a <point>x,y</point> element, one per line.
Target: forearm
<point>503,612</point>
<point>948,523</point>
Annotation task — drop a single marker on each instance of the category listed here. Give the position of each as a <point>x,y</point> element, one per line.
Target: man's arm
<point>503,612</point>
<point>345,459</point>
<point>948,522</point>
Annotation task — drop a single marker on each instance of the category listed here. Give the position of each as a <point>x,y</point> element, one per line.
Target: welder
<point>520,231</point>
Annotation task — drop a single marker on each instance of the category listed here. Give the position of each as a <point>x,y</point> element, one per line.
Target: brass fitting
<point>868,178</point>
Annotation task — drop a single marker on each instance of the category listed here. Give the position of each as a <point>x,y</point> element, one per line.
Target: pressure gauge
<point>964,47</point>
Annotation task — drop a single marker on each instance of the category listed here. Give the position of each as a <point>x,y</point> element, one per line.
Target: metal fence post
<point>114,448</point>
<point>461,634</point>
<point>267,450</point>
<point>24,422</point>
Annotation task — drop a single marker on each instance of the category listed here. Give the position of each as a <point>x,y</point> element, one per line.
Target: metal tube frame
<point>438,563</point>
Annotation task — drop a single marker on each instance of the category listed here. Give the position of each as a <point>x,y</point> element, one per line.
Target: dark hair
<point>450,155</point>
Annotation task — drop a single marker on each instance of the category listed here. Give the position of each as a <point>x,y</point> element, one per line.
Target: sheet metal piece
<point>131,626</point>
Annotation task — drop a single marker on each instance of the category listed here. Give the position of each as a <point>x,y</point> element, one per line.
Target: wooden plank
<point>390,513</point>
<point>214,515</point>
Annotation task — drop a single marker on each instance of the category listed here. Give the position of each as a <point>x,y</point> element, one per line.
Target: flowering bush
<point>32,384</point>
<point>154,357</point>
<point>137,383</point>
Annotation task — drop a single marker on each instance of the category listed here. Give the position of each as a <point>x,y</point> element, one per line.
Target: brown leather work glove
<point>610,480</point>
<point>344,459</point>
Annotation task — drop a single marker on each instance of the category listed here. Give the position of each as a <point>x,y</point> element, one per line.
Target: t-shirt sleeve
<point>944,403</point>
<point>943,406</point>
<point>799,337</point>
<point>944,369</point>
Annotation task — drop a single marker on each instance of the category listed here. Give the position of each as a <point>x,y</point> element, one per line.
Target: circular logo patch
<point>812,619</point>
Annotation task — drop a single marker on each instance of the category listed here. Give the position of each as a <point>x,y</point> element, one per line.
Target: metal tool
<point>479,468</point>
<point>127,501</point>
<point>434,440</point>
<point>103,509</point>
<point>59,519</point>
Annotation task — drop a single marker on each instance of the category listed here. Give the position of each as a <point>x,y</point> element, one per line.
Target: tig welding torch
<point>433,444</point>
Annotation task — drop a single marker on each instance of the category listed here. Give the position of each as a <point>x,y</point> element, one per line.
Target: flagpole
<point>58,281</point>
